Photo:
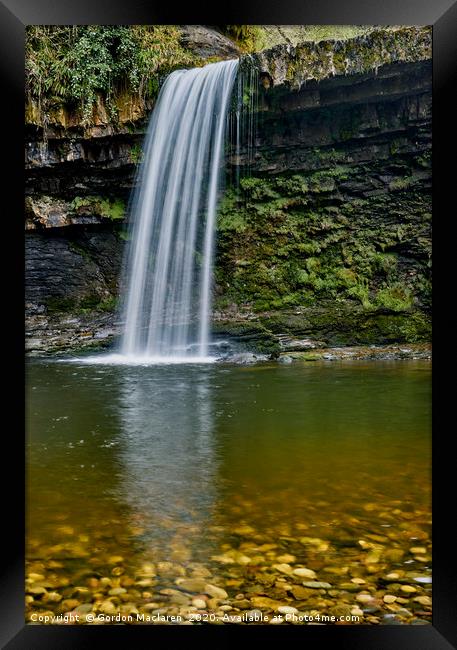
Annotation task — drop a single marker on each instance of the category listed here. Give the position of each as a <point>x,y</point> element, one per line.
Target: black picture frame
<point>14,16</point>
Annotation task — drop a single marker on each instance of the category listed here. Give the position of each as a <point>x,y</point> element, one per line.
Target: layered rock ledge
<point>331,224</point>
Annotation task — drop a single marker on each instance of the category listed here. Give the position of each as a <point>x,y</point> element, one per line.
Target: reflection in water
<point>139,477</point>
<point>166,448</point>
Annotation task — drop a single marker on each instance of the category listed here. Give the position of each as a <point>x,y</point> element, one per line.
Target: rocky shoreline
<point>83,332</point>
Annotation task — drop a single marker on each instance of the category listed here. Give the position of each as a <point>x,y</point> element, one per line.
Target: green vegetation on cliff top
<point>73,66</point>
<point>254,38</point>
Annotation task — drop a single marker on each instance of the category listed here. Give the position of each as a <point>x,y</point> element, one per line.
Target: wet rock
<point>390,619</point>
<point>213,603</point>
<point>223,558</point>
<point>241,558</point>
<point>389,598</point>
<point>146,582</point>
<point>244,530</point>
<point>207,42</point>
<point>247,358</point>
<point>350,586</point>
<point>418,550</point>
<point>300,593</point>
<point>193,585</point>
<point>36,590</point>
<point>35,577</point>
<point>254,613</point>
<point>320,544</point>
<point>394,554</point>
<point>215,592</point>
<point>285,609</point>
<point>373,557</point>
<point>69,604</point>
<point>201,572</point>
<point>52,597</point>
<point>420,621</point>
<point>365,598</point>
<point>340,610</point>
<point>199,603</point>
<point>117,571</point>
<point>117,591</point>
<point>262,602</point>
<point>243,604</point>
<point>338,571</point>
<point>283,568</point>
<point>317,585</point>
<point>403,613</point>
<point>165,568</point>
<point>83,609</point>
<point>286,558</point>
<point>304,573</point>
<point>392,577</point>
<point>266,579</point>
<point>176,596</point>
<point>107,607</point>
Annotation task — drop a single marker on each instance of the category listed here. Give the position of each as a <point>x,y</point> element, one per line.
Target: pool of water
<point>142,477</point>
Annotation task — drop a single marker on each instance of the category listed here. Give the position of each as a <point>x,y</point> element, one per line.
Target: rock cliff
<point>328,236</point>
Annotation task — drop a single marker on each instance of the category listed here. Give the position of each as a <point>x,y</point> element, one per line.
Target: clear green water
<point>184,464</point>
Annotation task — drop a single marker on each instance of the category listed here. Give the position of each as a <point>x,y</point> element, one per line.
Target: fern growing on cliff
<point>75,65</point>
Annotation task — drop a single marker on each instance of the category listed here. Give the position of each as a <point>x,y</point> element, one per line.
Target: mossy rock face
<point>342,325</point>
<point>60,305</point>
<point>280,246</point>
<point>340,252</point>
<point>83,304</point>
<point>335,218</point>
<point>52,212</point>
<point>85,267</point>
<point>112,208</point>
<point>307,61</point>
<point>328,236</point>
<point>346,324</point>
<point>254,335</point>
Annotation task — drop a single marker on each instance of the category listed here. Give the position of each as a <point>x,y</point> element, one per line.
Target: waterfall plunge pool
<point>146,484</point>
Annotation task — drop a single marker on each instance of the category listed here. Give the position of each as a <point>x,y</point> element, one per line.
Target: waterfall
<point>169,258</point>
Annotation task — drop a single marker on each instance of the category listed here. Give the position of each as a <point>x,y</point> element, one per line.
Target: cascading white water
<point>170,255</point>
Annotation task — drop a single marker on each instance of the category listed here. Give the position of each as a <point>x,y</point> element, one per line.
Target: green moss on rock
<point>357,271</point>
<point>360,55</point>
<point>106,207</point>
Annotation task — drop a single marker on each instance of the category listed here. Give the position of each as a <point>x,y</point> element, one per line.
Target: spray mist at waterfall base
<point>117,359</point>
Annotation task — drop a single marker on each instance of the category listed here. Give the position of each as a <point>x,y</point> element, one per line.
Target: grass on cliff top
<point>254,38</point>
<point>74,64</point>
